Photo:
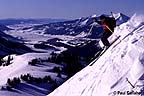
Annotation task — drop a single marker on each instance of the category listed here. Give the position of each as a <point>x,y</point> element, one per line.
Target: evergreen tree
<point>9,60</point>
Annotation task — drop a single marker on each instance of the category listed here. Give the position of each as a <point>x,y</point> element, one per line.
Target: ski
<point>101,52</point>
<point>96,58</point>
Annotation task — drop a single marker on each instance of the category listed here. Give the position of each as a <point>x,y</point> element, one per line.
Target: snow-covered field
<point>119,71</point>
<point>20,66</point>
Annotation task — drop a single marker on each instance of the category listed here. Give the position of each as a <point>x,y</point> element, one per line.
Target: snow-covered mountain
<point>11,45</point>
<point>13,21</point>
<point>4,28</point>
<point>119,71</point>
<point>121,18</point>
<point>76,27</point>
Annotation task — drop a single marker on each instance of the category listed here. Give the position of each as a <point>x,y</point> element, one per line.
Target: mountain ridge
<point>76,26</point>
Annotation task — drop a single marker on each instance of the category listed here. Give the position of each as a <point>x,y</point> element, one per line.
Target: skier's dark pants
<point>104,38</point>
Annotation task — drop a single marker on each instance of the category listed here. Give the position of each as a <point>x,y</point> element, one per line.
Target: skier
<point>108,24</point>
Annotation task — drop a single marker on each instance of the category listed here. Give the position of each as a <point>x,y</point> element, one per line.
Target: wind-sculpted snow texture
<point>119,71</point>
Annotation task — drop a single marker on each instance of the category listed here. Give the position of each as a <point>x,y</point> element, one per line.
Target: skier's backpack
<point>111,22</point>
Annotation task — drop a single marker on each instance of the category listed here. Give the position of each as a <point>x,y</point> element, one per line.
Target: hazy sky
<point>67,9</point>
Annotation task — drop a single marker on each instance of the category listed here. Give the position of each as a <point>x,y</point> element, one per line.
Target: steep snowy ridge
<point>117,71</point>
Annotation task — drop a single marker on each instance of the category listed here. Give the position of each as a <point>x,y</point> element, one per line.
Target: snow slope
<point>20,66</point>
<point>107,77</point>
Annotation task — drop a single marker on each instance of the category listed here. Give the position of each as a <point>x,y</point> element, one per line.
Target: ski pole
<point>109,29</point>
<point>130,83</point>
<point>112,14</point>
<point>91,29</point>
